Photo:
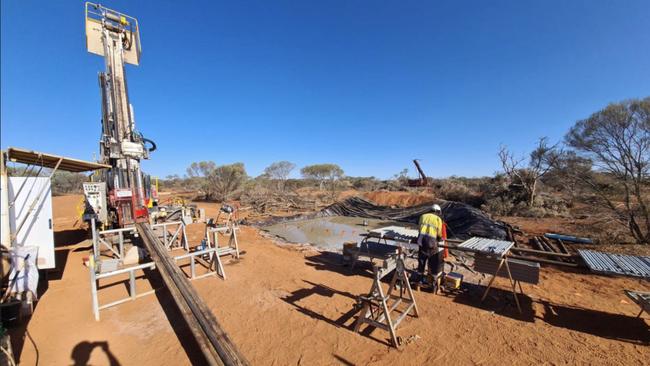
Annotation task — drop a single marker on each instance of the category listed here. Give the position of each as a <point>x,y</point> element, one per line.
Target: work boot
<point>415,278</point>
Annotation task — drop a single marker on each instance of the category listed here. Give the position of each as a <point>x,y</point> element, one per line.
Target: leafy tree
<point>610,155</point>
<point>279,171</point>
<point>217,182</point>
<point>226,179</point>
<point>322,173</point>
<point>199,174</point>
<point>201,168</point>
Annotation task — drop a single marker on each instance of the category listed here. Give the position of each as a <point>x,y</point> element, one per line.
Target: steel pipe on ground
<point>542,260</point>
<point>214,342</point>
<point>540,252</point>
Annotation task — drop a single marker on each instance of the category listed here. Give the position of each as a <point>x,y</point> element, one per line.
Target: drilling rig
<point>122,197</point>
<point>423,181</point>
<point>124,193</point>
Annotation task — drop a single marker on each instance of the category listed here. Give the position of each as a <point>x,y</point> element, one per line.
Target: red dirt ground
<point>285,304</point>
<point>401,199</point>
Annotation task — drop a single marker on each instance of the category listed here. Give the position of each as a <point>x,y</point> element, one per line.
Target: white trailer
<point>36,219</point>
<point>26,208</point>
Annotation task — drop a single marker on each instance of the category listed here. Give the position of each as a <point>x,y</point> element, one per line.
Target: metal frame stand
<point>109,239</point>
<point>212,238</point>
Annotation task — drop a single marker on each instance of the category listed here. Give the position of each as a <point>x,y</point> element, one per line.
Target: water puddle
<point>327,233</point>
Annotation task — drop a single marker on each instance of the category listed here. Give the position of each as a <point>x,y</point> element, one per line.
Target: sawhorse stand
<point>640,298</point>
<point>503,263</point>
<point>377,308</point>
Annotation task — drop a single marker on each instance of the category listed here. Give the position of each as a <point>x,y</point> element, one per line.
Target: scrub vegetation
<point>599,171</point>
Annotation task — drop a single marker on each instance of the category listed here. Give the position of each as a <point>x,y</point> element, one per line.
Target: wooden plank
<point>403,315</point>
<point>376,299</point>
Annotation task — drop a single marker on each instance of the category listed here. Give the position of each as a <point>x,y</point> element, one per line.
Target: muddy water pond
<point>327,233</point>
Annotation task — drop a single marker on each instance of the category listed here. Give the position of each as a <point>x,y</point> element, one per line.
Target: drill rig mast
<point>116,37</point>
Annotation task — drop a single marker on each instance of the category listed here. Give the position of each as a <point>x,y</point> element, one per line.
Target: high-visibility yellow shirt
<point>431,225</point>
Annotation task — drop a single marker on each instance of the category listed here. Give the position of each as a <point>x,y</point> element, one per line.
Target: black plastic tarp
<point>463,221</point>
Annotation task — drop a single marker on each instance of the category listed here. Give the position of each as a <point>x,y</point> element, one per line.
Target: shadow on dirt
<point>19,335</point>
<point>346,320</point>
<point>63,242</point>
<point>343,361</point>
<point>333,262</point>
<point>619,327</point>
<point>81,353</point>
<point>176,320</point>
<point>69,237</point>
<point>499,301</point>
<point>322,291</point>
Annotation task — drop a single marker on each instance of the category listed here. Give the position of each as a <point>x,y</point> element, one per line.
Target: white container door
<point>37,228</point>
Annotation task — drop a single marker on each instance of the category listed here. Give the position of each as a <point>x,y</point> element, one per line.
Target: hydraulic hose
<point>153,144</point>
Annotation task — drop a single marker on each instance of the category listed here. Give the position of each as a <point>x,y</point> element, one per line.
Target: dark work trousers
<point>430,256</point>
<point>428,253</point>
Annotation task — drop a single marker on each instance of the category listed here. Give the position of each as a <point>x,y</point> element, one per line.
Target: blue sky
<point>369,85</point>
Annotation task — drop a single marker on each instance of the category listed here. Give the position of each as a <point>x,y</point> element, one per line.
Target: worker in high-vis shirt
<point>431,230</point>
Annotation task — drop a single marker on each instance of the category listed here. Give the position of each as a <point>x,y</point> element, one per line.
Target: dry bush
<point>599,224</point>
<point>173,183</point>
<point>227,180</point>
<point>503,198</point>
<point>498,206</point>
<point>454,190</point>
<point>66,182</point>
<point>553,204</point>
<point>527,175</point>
<point>365,184</point>
<point>263,199</point>
<point>500,198</point>
<point>295,184</point>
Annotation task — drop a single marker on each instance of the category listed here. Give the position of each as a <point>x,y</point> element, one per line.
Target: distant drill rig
<point>423,181</point>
